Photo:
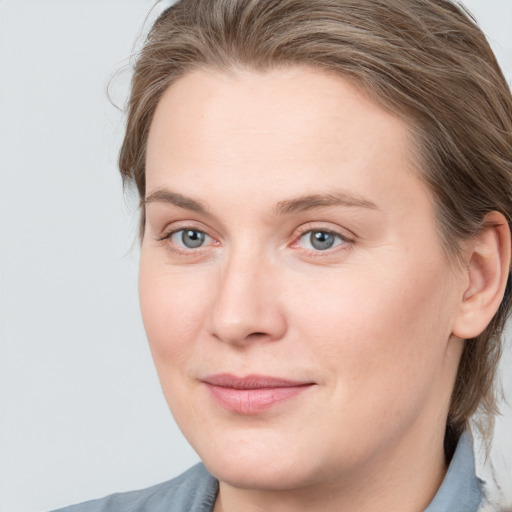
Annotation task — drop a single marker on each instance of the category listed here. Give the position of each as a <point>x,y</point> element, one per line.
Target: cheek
<point>381,333</point>
<point>173,306</point>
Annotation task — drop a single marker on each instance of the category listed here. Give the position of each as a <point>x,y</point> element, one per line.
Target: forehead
<point>292,103</point>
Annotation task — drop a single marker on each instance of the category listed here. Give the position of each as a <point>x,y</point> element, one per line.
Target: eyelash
<point>344,242</point>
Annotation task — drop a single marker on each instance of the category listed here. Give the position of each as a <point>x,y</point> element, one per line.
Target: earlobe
<point>487,272</point>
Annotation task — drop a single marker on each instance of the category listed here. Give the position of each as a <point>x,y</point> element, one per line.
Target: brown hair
<point>424,60</point>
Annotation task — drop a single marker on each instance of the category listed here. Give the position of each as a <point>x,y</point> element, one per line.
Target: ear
<point>488,257</point>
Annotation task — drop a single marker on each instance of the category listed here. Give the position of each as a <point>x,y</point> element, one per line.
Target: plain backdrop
<point>81,412</point>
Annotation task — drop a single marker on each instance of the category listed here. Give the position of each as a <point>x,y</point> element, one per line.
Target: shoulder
<point>195,489</point>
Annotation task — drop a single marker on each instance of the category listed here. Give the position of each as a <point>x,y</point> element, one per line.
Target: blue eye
<point>320,240</point>
<point>189,238</point>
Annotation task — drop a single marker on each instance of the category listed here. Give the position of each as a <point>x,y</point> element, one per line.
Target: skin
<point>371,322</point>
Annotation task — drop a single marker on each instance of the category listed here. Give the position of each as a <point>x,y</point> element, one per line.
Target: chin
<point>257,474</point>
<point>262,464</point>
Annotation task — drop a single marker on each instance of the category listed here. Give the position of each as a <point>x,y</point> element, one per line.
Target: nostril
<point>256,335</point>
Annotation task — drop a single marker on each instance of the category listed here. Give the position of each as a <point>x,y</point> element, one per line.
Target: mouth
<point>252,394</point>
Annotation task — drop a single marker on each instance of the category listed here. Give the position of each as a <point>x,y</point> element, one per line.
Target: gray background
<point>81,412</point>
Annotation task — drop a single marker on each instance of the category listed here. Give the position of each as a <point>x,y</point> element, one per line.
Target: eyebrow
<point>166,196</point>
<point>312,201</point>
<point>296,205</point>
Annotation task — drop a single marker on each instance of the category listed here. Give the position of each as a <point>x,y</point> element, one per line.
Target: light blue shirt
<point>196,490</point>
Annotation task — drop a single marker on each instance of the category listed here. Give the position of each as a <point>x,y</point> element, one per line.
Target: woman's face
<point>297,301</point>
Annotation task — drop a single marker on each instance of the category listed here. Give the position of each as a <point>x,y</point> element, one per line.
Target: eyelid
<point>343,233</point>
<point>174,227</point>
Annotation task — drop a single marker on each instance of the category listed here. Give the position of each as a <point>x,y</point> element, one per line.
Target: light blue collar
<point>461,490</point>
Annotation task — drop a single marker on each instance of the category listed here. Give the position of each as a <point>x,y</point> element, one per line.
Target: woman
<point>325,249</point>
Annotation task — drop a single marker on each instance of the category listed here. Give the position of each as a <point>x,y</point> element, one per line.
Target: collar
<point>461,490</point>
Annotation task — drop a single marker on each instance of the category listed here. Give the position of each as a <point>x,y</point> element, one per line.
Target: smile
<point>252,394</point>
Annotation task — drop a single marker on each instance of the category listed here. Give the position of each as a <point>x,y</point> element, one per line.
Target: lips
<point>252,394</point>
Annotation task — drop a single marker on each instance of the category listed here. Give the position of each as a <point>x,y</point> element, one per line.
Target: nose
<point>247,303</point>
